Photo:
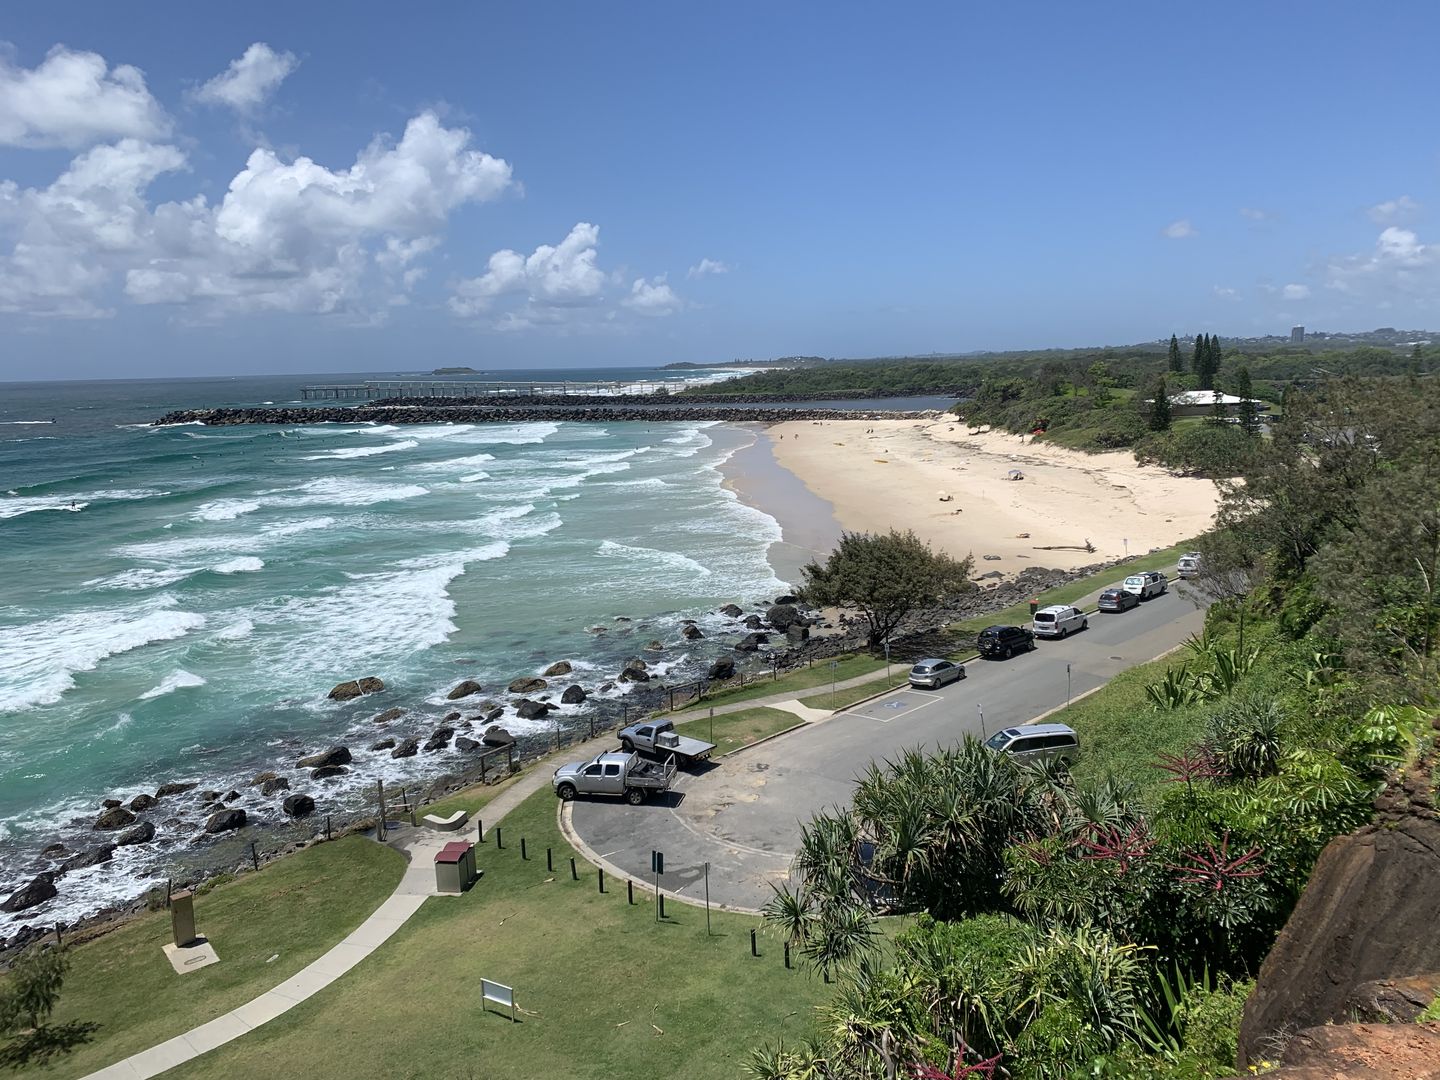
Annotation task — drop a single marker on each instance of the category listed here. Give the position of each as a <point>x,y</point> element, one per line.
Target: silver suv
<point>934,673</point>
<point>1038,742</point>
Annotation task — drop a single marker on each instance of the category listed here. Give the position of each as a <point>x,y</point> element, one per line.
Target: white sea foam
<point>142,577</point>
<point>40,659</point>
<point>245,544</point>
<point>653,556</point>
<point>176,680</point>
<point>246,564</point>
<point>224,509</point>
<point>474,477</point>
<point>508,434</point>
<point>15,506</point>
<point>22,423</point>
<point>236,631</point>
<point>346,453</point>
<point>469,461</point>
<point>341,491</point>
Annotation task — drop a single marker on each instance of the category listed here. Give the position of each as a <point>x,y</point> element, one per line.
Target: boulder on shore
<point>655,645</point>
<point>634,675</point>
<point>462,743</point>
<point>497,736</point>
<point>408,748</point>
<point>336,755</point>
<point>383,744</point>
<point>451,717</point>
<point>94,857</point>
<point>274,785</point>
<point>224,821</point>
<point>464,690</point>
<point>723,668</point>
<point>439,739</point>
<point>787,599</point>
<point>732,610</point>
<point>494,714</point>
<point>298,806</point>
<point>347,691</point>
<point>528,709</point>
<point>117,817</point>
<point>573,695</point>
<point>782,616</point>
<point>371,685</point>
<point>260,778</point>
<point>140,834</point>
<point>40,889</point>
<point>527,685</point>
<point>165,790</point>
<point>388,715</point>
<point>691,632</point>
<point>325,772</point>
<point>751,642</point>
<point>752,622</point>
<point>560,667</point>
<point>110,804</point>
<point>144,802</point>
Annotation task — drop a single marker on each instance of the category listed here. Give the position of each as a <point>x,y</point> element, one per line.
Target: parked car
<point>1003,642</point>
<point>934,673</point>
<point>1117,598</point>
<point>659,738</point>
<point>1150,583</point>
<point>1038,742</point>
<point>1059,620</point>
<point>629,775</point>
<point>1189,565</point>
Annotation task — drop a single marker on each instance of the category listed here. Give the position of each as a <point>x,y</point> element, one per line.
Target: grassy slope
<point>730,731</point>
<point>596,977</point>
<point>294,909</point>
<point>847,667</point>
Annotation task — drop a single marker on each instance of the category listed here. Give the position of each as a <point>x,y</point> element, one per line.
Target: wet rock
<point>439,739</point>
<point>497,736</point>
<point>383,744</point>
<point>494,714</point>
<point>325,772</point>
<point>140,834</point>
<point>691,632</point>
<point>654,646</point>
<point>336,755</point>
<point>144,802</point>
<point>619,618</point>
<point>94,857</point>
<point>796,634</point>
<point>598,630</point>
<point>464,690</point>
<point>408,748</point>
<point>371,685</point>
<point>166,790</point>
<point>573,695</point>
<point>787,599</point>
<point>110,804</point>
<point>298,806</point>
<point>224,821</point>
<point>526,709</point>
<point>116,817</point>
<point>560,667</point>
<point>527,685</point>
<point>388,715</point>
<point>751,642</point>
<point>54,851</point>
<point>260,778</point>
<point>634,675</point>
<point>209,796</point>
<point>231,796</point>
<point>782,616</point>
<point>40,889</point>
<point>462,743</point>
<point>732,610</point>
<point>274,786</point>
<point>723,668</point>
<point>346,691</point>
<point>752,622</point>
<point>451,717</point>
<point>635,663</point>
<point>605,688</point>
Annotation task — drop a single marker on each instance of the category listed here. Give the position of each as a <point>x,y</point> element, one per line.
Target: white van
<point>1059,620</point>
<point>1189,565</point>
<point>1150,583</point>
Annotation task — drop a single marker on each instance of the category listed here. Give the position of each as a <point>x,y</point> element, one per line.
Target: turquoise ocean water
<point>175,603</point>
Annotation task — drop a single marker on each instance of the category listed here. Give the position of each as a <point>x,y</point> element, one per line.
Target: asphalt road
<point>743,815</point>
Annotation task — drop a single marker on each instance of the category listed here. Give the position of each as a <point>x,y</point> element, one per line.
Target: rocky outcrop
<point>1392,1001</point>
<point>408,748</point>
<point>529,709</point>
<point>752,642</point>
<point>94,857</point>
<point>370,684</point>
<point>140,834</point>
<point>260,778</point>
<point>274,786</point>
<point>560,667</point>
<point>225,821</point>
<point>634,675</point>
<point>383,744</point>
<point>691,632</point>
<point>117,817</point>
<point>734,611</point>
<point>654,645</point>
<point>326,772</point>
<point>527,685</point>
<point>166,790</point>
<point>574,695</point>
<point>1361,1052</point>
<point>722,668</point>
<point>336,755</point>
<point>783,616</point>
<point>752,622</point>
<point>388,715</point>
<point>466,745</point>
<point>40,889</point>
<point>497,736</point>
<point>439,739</point>
<point>464,690</point>
<point>298,806</point>
<point>144,802</point>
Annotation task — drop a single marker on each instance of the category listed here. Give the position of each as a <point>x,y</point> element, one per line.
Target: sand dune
<point>891,474</point>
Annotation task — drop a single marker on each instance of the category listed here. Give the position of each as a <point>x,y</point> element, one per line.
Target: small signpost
<point>981,710</point>
<point>498,994</point>
<point>1067,682</point>
<point>833,665</point>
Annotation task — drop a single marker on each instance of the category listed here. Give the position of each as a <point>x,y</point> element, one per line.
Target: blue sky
<point>270,187</point>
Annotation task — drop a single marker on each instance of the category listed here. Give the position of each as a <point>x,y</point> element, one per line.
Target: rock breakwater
<point>511,414</point>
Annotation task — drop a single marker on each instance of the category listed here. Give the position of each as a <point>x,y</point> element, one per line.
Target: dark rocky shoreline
<point>512,414</point>
<point>686,397</point>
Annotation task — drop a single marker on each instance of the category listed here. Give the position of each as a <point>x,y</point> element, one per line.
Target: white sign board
<point>499,994</point>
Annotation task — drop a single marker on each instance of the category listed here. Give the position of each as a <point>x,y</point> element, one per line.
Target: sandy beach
<point>884,474</point>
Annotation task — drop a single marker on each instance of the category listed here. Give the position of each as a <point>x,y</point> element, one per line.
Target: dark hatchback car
<point>1003,642</point>
<point>1117,598</point>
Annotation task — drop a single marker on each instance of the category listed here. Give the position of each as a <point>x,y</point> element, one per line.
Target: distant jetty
<point>510,413</point>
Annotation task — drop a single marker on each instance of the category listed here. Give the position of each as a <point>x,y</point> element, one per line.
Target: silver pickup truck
<point>614,774</point>
<point>658,737</point>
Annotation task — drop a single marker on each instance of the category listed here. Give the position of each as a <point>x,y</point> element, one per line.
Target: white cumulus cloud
<point>1398,265</point>
<point>1251,213</point>
<point>560,275</point>
<point>73,99</point>
<point>1179,230</point>
<point>652,298</point>
<point>1296,292</point>
<point>707,266</point>
<point>249,81</point>
<point>1392,211</point>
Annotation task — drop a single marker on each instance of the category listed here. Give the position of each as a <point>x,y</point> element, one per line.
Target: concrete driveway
<point>743,814</point>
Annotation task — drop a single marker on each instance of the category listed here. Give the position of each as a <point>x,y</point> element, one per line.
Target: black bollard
<point>754,951</point>
<point>600,877</point>
<point>549,861</point>
<point>661,897</point>
<point>499,840</point>
<point>629,891</point>
<point>574,874</point>
<point>523,853</point>
<point>254,855</point>
<point>787,954</point>
<point>479,831</point>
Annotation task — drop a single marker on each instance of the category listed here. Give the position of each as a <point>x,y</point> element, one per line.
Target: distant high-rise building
<point>1297,335</point>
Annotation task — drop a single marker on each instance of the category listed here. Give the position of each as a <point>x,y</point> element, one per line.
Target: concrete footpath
<point>418,883</point>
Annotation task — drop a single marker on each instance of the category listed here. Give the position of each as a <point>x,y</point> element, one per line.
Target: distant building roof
<point>1210,397</point>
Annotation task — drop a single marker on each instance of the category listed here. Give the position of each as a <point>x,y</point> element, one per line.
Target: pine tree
<point>1246,411</point>
<point>1207,360</point>
<point>1176,364</point>
<point>1160,407</point>
<point>1197,358</point>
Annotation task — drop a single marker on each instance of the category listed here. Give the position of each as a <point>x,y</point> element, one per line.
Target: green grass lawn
<point>292,911</point>
<point>605,991</point>
<point>847,667</point>
<point>730,731</point>
<point>470,800</point>
<point>841,699</point>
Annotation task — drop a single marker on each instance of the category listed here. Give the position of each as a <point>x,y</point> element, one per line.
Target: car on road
<point>629,775</point>
<point>1059,620</point>
<point>660,739</point>
<point>1003,642</point>
<point>1117,598</point>
<point>1150,583</point>
<point>933,673</point>
<point>1038,743</point>
<point>1189,565</point>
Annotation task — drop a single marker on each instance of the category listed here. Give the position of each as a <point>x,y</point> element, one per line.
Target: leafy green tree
<point>885,576</point>
<point>1246,411</point>
<point>1160,412</point>
<point>33,988</point>
<point>1176,364</point>
<point>1198,357</point>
